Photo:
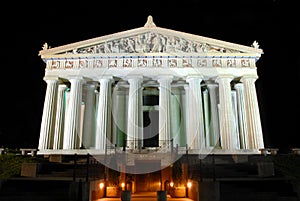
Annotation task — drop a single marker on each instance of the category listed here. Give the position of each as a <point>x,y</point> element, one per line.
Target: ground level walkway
<point>145,196</point>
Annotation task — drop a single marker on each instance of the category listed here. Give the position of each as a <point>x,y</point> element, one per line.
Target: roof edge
<point>149,26</point>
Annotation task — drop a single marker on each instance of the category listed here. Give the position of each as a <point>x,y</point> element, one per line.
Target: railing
<point>88,167</point>
<point>137,146</point>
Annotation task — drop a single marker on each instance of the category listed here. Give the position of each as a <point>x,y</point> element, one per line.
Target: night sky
<point>25,28</point>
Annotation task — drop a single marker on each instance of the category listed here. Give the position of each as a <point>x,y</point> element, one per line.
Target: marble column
<point>140,119</point>
<point>175,117</point>
<point>47,124</point>
<point>119,115</point>
<point>213,98</point>
<point>227,122</point>
<point>59,121</point>
<point>187,114</point>
<point>103,110</point>
<point>89,117</point>
<point>207,119</point>
<point>252,112</point>
<point>197,133</point>
<point>81,120</point>
<point>241,109</point>
<point>164,110</point>
<point>183,116</point>
<point>72,127</point>
<point>134,129</point>
<point>235,112</point>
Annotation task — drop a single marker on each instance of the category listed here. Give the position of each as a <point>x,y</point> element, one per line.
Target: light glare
<point>171,184</point>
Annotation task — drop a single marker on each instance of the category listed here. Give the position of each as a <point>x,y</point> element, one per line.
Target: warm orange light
<point>122,184</point>
<point>101,185</point>
<point>189,184</point>
<point>171,184</point>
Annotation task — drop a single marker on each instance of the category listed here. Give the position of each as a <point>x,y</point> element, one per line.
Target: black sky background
<point>25,27</point>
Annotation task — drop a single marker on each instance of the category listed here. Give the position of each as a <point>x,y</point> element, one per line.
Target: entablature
<point>228,61</point>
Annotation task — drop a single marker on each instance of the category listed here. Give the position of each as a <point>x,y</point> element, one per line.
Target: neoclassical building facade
<point>150,88</point>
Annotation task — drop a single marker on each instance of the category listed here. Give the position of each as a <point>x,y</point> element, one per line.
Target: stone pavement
<point>145,196</point>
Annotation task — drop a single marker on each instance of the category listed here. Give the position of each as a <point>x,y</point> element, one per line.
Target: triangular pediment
<point>152,40</point>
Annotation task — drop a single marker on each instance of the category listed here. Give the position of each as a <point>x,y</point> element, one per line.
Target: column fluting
<point>196,122</point>
<point>227,122</point>
<point>164,110</point>
<point>102,114</point>
<point>252,111</point>
<point>213,98</point>
<point>134,114</point>
<point>59,121</point>
<point>72,126</point>
<point>47,124</point>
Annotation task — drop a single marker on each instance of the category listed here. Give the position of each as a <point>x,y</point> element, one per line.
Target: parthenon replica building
<point>150,88</point>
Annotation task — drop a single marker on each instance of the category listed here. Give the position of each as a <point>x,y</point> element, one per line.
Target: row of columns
<point>57,131</point>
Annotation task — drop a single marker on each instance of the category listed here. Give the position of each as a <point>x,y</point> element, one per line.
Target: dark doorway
<point>148,181</point>
<point>151,128</point>
<point>150,121</point>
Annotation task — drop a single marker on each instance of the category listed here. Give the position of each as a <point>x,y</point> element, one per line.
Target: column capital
<point>224,77</point>
<point>106,80</point>
<point>190,77</point>
<point>136,80</point>
<point>105,77</point>
<point>53,79</point>
<point>194,80</point>
<point>249,77</point>
<point>76,81</point>
<point>81,78</point>
<point>47,77</point>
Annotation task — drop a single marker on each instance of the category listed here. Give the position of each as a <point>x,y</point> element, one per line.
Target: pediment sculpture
<point>151,42</point>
